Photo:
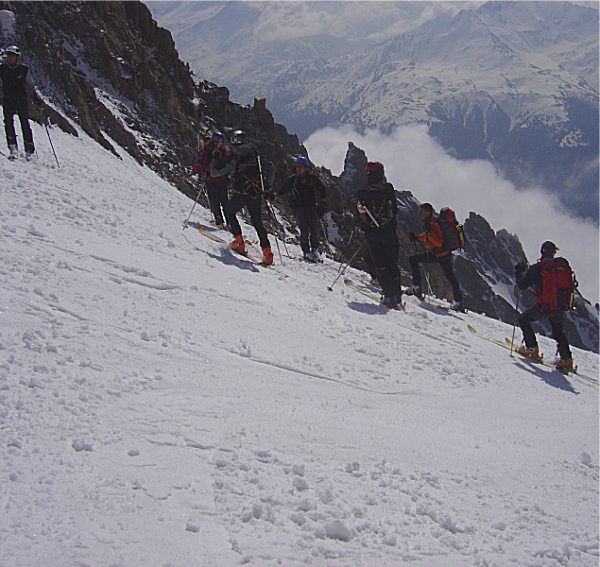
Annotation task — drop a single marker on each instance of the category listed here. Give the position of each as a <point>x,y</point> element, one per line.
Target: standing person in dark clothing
<point>433,239</point>
<point>17,87</point>
<point>377,208</point>
<point>216,165</point>
<point>554,286</point>
<point>247,191</point>
<point>308,195</point>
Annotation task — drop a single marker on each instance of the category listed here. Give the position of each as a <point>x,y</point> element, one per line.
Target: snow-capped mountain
<point>512,82</point>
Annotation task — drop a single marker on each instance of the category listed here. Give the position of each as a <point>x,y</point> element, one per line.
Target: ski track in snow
<point>164,403</point>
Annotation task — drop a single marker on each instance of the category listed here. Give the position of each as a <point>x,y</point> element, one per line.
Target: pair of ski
<point>508,345</point>
<point>402,306</point>
<point>209,232</point>
<point>372,296</point>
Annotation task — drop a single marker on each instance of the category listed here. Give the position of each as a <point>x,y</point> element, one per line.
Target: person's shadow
<point>553,378</point>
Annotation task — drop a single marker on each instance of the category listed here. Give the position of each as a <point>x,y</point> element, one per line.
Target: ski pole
<point>512,340</point>
<point>370,215</point>
<point>359,249</point>
<point>347,247</point>
<point>185,222</point>
<point>272,213</point>
<point>50,139</point>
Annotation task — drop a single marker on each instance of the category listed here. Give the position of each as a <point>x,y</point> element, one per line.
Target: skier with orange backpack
<point>441,236</point>
<point>554,284</point>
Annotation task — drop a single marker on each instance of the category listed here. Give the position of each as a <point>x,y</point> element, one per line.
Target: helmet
<point>217,136</point>
<point>239,137</point>
<point>301,160</point>
<point>13,49</point>
<point>548,249</point>
<point>374,166</point>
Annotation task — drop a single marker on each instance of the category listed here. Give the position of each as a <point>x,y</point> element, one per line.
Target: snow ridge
<point>162,404</point>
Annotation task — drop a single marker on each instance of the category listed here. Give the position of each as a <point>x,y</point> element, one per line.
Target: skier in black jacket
<point>17,86</point>
<point>308,196</point>
<point>247,191</point>
<point>377,208</point>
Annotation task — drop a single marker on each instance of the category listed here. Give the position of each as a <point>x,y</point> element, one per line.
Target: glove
<point>520,269</point>
<point>362,210</point>
<point>197,170</point>
<point>270,195</point>
<point>413,237</point>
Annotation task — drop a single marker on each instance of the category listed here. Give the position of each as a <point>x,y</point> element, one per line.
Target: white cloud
<point>374,21</point>
<point>415,161</point>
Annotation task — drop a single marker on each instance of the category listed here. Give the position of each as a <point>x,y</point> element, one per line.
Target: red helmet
<point>374,166</point>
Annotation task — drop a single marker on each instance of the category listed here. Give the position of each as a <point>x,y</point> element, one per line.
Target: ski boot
<point>238,245</point>
<point>414,290</point>
<point>308,257</point>
<point>564,365</point>
<point>458,306</point>
<point>267,256</point>
<point>532,353</point>
<point>316,256</point>
<point>13,152</point>
<point>391,301</point>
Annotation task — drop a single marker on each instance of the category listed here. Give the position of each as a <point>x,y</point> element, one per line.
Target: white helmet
<point>13,49</point>
<point>239,137</point>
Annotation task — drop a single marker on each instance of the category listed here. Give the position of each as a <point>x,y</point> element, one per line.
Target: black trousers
<point>556,319</point>
<point>217,199</point>
<point>254,206</point>
<point>22,111</point>
<point>383,249</point>
<point>309,225</point>
<point>445,263</point>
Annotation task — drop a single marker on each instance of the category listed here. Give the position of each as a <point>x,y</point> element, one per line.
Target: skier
<point>377,208</point>
<point>433,239</point>
<point>247,191</point>
<point>554,286</point>
<point>17,86</point>
<point>308,198</point>
<point>215,164</point>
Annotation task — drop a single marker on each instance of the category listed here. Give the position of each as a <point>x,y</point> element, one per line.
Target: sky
<point>416,162</point>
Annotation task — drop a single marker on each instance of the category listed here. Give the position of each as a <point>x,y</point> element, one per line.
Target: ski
<point>206,231</point>
<point>371,296</point>
<point>507,344</point>
<point>247,257</point>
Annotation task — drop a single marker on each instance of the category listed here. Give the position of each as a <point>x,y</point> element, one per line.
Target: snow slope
<point>164,403</point>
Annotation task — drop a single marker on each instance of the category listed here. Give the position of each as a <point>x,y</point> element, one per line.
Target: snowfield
<point>164,403</point>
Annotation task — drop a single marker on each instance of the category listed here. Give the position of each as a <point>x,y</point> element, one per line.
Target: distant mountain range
<point>515,83</point>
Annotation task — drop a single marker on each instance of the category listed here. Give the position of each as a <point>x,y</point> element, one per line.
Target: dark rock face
<point>116,74</point>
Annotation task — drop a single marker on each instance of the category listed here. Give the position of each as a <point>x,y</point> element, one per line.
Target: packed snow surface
<point>163,402</point>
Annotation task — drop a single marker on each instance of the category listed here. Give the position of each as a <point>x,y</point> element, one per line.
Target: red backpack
<point>452,230</point>
<point>558,285</point>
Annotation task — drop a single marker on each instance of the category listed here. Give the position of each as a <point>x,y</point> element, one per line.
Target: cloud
<point>416,162</point>
<point>374,21</point>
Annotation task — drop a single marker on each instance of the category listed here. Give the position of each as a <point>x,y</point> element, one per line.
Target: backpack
<point>558,285</point>
<point>454,237</point>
